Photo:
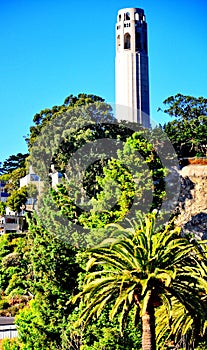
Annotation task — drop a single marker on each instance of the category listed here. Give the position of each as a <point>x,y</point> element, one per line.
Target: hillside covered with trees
<point>100,265</point>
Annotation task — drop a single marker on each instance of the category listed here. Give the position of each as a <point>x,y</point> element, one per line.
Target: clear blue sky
<point>53,48</point>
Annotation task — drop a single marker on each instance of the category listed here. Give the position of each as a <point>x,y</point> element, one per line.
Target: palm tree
<point>144,268</point>
<point>178,321</point>
<point>177,325</point>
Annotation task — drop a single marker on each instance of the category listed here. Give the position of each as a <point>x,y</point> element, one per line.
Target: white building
<point>11,223</point>
<point>132,78</point>
<point>56,178</point>
<point>30,178</point>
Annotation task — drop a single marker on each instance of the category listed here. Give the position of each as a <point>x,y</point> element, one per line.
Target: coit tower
<point>132,78</point>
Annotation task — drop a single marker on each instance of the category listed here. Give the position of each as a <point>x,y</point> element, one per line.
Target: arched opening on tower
<point>118,41</point>
<point>127,16</point>
<point>127,41</point>
<point>136,16</point>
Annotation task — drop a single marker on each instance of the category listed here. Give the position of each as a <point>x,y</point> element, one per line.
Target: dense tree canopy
<point>132,182</point>
<point>14,168</point>
<point>188,130</point>
<point>46,115</point>
<point>17,199</point>
<point>144,270</point>
<point>54,274</point>
<point>13,162</point>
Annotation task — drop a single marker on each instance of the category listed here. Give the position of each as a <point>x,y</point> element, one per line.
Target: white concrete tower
<point>132,78</point>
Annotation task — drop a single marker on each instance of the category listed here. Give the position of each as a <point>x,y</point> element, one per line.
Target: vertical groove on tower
<point>132,77</point>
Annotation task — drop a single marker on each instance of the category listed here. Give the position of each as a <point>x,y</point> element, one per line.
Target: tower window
<point>136,16</point>
<point>127,16</point>
<point>127,41</point>
<point>119,18</point>
<point>118,42</point>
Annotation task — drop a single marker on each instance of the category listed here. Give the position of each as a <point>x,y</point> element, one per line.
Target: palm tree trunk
<point>148,330</point>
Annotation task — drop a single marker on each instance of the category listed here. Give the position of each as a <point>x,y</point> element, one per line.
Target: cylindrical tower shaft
<point>132,78</point>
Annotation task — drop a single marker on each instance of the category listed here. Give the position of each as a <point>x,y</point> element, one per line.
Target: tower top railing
<point>133,13</point>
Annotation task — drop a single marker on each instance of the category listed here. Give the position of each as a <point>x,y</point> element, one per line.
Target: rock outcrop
<point>192,205</point>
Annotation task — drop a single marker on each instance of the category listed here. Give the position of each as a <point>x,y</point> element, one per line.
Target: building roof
<point>6,320</point>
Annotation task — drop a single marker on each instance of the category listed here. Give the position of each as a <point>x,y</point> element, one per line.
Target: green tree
<point>10,344</point>
<point>187,131</point>
<point>144,268</point>
<point>13,162</point>
<point>2,208</point>
<point>5,249</point>
<point>103,334</point>
<point>83,123</point>
<point>178,325</point>
<point>46,115</point>
<point>12,179</point>
<point>17,199</point>
<point>52,261</point>
<point>14,275</point>
<point>53,278</point>
<point>135,178</point>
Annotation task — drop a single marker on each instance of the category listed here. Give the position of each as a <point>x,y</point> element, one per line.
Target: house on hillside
<point>3,193</point>
<point>31,179</point>
<point>8,329</point>
<point>10,223</point>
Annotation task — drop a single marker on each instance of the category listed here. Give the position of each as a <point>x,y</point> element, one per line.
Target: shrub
<point>10,344</point>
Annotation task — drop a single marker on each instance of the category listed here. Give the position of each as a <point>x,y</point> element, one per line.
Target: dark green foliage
<point>32,191</point>
<point>188,130</point>
<point>17,199</point>
<point>141,270</point>
<point>5,249</point>
<point>103,334</point>
<point>12,179</point>
<point>45,116</point>
<point>10,344</point>
<point>2,208</point>
<point>53,266</point>
<point>13,162</point>
<point>13,264</point>
<point>43,265</point>
<point>100,333</point>
<point>135,178</point>
<point>14,275</point>
<point>53,279</point>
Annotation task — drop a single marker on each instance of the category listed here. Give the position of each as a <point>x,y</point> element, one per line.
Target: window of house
<point>11,220</point>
